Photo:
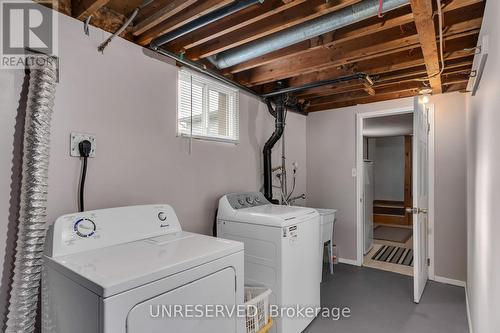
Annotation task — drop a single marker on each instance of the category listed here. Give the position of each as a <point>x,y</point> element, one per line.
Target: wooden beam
<point>170,9</point>
<point>187,15</point>
<point>449,5</point>
<point>356,50</point>
<point>363,100</point>
<point>394,87</point>
<point>397,60</point>
<point>62,6</point>
<point>398,17</point>
<point>84,8</point>
<point>306,11</point>
<point>352,52</point>
<point>423,13</point>
<point>232,23</point>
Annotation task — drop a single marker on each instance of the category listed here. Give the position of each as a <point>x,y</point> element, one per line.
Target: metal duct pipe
<point>304,31</point>
<point>279,125</point>
<point>358,76</point>
<point>202,21</point>
<point>33,211</point>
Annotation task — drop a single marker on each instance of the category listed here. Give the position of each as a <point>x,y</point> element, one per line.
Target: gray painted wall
<point>128,100</point>
<point>483,143</point>
<point>331,157</point>
<point>389,168</point>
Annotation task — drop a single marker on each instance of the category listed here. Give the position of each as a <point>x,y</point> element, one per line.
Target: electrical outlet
<point>76,138</point>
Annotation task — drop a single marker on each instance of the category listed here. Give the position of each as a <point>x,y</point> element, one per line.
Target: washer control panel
<point>246,200</point>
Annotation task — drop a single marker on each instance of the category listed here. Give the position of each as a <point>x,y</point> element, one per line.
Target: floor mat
<point>393,234</point>
<point>394,255</point>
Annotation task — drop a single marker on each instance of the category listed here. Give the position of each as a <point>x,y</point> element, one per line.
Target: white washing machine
<point>126,269</point>
<point>281,251</point>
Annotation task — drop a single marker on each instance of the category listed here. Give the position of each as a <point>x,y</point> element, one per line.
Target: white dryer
<point>281,251</point>
<point>125,269</point>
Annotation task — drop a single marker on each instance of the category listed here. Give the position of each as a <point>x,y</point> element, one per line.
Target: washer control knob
<point>84,227</point>
<point>162,216</point>
<point>257,199</point>
<point>249,200</point>
<point>241,201</point>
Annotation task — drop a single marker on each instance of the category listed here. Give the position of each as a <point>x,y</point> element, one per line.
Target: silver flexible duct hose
<point>33,212</point>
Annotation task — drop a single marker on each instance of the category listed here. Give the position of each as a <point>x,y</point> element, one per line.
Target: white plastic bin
<point>257,307</point>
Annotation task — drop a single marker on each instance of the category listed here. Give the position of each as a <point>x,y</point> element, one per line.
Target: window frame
<point>210,84</point>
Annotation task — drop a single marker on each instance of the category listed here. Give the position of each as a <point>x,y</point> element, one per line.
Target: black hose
<point>82,184</point>
<point>85,148</point>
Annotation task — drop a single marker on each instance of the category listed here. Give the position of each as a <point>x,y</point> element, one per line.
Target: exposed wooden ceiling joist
<point>423,14</point>
<point>185,16</point>
<point>361,49</point>
<point>232,23</point>
<point>169,9</point>
<point>455,48</point>
<point>396,18</point>
<point>84,8</point>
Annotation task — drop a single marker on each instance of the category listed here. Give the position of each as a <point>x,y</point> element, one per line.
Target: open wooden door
<point>420,198</point>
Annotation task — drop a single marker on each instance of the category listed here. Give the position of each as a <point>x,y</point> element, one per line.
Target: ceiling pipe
<point>323,24</point>
<point>204,70</point>
<point>358,76</point>
<point>264,97</point>
<point>202,21</point>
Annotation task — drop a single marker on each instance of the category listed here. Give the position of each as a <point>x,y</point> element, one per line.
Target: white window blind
<point>206,109</point>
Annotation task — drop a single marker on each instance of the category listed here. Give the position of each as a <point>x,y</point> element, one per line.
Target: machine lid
<point>274,215</point>
<point>111,270</point>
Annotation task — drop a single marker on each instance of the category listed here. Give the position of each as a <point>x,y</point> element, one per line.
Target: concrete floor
<point>382,302</point>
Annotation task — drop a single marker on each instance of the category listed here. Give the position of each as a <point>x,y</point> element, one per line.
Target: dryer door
<point>158,315</point>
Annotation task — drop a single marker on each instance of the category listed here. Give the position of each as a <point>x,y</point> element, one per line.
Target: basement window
<point>207,109</point>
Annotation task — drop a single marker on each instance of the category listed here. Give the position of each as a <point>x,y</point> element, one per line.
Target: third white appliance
<point>281,251</point>
<point>327,223</point>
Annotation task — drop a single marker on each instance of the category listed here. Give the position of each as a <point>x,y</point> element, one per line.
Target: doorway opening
<point>422,208</point>
<point>387,193</point>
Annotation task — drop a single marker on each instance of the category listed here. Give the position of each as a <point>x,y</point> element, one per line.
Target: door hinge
<point>428,261</point>
<point>428,128</point>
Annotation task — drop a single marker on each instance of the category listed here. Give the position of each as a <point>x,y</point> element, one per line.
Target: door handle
<point>412,210</point>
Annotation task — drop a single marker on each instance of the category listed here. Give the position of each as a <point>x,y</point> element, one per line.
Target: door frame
<point>360,117</point>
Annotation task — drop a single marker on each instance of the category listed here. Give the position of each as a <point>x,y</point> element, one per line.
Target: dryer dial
<point>84,227</point>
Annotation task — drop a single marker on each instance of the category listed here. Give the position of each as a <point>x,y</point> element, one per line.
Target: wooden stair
<point>390,212</point>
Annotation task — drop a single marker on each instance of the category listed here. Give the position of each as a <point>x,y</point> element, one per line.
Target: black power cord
<point>84,147</point>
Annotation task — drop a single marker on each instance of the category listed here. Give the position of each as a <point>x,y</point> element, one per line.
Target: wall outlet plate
<point>76,138</point>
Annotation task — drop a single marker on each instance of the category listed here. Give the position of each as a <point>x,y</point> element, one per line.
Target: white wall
<point>389,168</point>
<point>331,146</point>
<point>483,156</point>
<point>128,100</point>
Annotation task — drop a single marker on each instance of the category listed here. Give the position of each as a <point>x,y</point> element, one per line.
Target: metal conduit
<point>23,299</point>
<point>202,21</point>
<point>304,31</point>
<point>357,76</point>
